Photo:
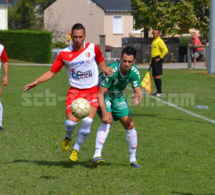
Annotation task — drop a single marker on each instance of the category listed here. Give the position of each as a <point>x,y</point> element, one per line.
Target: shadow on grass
<point>65,164</point>
<point>184,193</point>
<point>49,177</point>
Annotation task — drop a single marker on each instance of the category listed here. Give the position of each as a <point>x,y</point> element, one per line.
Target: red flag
<point>146,82</point>
<point>69,36</point>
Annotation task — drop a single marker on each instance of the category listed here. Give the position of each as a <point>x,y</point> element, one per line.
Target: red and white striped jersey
<point>80,65</point>
<point>3,55</point>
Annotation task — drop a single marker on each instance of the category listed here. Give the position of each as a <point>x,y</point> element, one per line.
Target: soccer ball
<point>80,108</point>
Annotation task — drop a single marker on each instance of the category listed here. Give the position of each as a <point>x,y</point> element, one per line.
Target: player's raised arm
<point>45,77</point>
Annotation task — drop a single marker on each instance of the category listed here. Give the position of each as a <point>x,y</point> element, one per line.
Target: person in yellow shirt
<point>159,50</point>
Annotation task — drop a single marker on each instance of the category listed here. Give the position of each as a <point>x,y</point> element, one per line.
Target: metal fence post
<point>188,57</point>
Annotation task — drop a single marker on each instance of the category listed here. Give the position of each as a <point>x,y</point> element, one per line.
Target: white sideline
<point>180,108</point>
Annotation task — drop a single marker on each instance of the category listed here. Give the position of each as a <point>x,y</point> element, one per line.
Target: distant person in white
<point>4,59</point>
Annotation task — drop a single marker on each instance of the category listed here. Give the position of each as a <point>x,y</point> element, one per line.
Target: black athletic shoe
<point>154,94</point>
<point>157,94</point>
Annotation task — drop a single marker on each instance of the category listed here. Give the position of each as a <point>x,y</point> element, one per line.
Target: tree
<point>142,13</point>
<point>171,17</point>
<point>202,8</point>
<point>53,25</point>
<point>19,15</point>
<point>27,14</point>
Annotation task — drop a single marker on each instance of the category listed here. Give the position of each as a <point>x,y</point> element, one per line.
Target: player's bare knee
<point>129,125</point>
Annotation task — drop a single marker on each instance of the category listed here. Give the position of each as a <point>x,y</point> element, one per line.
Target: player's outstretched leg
<point>82,135</point>
<point>131,137</point>
<point>101,136</point>
<point>69,127</point>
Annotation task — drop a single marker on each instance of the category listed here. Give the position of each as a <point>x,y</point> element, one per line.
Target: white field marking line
<point>180,108</point>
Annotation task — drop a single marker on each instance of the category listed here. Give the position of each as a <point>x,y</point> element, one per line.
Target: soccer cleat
<point>97,161</point>
<point>134,164</point>
<point>65,144</point>
<point>154,94</point>
<point>74,155</point>
<point>1,128</point>
<point>157,94</point>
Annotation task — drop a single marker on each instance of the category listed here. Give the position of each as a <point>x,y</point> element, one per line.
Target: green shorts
<point>118,106</point>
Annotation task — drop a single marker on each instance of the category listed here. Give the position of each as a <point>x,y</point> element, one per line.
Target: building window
<point>117,24</point>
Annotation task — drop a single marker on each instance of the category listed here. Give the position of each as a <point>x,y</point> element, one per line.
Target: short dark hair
<point>156,29</point>
<point>78,26</point>
<point>129,51</point>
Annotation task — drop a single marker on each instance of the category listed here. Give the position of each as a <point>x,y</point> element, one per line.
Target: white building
<point>4,4</point>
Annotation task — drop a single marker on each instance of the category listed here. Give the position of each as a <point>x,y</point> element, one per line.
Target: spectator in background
<point>4,59</point>
<point>198,51</point>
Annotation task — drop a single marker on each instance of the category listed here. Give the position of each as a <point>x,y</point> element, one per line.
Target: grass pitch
<point>175,149</point>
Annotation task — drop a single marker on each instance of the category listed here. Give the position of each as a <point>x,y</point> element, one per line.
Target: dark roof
<point>6,2</point>
<point>114,5</point>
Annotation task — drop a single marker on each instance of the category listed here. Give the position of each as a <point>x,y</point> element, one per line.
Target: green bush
<point>59,44</point>
<point>184,41</point>
<point>27,45</point>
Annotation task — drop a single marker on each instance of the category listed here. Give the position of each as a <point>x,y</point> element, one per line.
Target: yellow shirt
<point>158,48</point>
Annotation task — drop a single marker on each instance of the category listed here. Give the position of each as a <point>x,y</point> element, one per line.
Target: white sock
<point>83,132</point>
<point>69,127</point>
<point>131,137</point>
<point>102,134</point>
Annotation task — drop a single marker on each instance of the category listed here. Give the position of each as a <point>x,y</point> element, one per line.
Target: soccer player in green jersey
<point>113,105</point>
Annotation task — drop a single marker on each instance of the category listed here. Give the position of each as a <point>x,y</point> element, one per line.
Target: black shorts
<point>157,67</point>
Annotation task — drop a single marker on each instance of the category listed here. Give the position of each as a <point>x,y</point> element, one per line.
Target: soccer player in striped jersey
<point>81,61</point>
<point>4,59</point>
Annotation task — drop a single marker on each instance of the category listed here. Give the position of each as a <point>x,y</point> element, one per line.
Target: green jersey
<point>117,83</point>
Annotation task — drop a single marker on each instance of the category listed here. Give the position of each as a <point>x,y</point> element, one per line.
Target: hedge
<point>27,45</point>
